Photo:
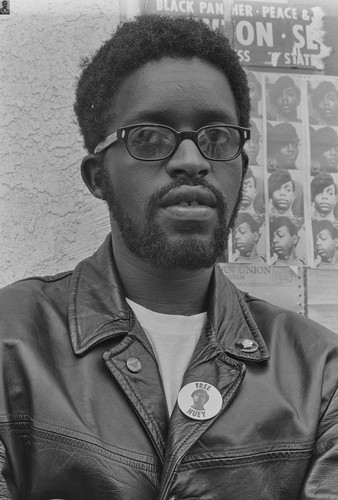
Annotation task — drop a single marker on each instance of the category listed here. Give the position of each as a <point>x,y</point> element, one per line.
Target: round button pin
<point>199,400</point>
<point>246,345</point>
<point>134,365</point>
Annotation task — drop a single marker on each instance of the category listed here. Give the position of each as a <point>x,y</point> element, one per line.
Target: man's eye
<point>148,136</point>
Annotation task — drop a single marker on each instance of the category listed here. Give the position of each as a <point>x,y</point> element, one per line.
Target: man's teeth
<point>191,204</point>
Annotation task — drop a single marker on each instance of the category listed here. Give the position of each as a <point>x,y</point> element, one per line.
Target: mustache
<point>154,201</point>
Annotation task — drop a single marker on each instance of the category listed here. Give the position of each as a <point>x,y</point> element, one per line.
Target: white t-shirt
<point>173,339</point>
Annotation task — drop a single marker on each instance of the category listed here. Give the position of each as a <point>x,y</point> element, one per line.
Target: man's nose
<point>187,160</point>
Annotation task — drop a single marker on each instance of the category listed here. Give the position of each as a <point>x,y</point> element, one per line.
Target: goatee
<point>150,243</point>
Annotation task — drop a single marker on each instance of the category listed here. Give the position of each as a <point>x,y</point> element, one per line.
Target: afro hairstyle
<point>138,41</point>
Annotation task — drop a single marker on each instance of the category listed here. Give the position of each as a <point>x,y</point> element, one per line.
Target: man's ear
<point>91,171</point>
<point>256,236</point>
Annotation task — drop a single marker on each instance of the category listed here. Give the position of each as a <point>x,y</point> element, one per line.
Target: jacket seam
<point>81,444</point>
<point>28,423</point>
<point>236,461</point>
<point>283,445</point>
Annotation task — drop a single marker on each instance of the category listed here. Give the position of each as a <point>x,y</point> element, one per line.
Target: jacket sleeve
<point>322,479</point>
<point>7,488</point>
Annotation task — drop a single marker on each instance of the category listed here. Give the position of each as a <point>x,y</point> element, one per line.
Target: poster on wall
<point>289,210</point>
<point>280,35</point>
<point>286,35</point>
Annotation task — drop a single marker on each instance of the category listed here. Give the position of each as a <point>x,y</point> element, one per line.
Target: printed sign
<point>279,35</point>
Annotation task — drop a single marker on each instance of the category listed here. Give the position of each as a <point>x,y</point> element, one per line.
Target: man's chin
<point>189,253</point>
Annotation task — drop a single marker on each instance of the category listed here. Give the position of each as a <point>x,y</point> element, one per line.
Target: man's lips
<point>190,203</point>
<point>189,196</point>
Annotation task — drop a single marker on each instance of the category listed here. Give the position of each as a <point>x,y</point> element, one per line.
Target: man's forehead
<point>169,88</point>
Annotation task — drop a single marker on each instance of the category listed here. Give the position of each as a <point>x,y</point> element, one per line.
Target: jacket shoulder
<point>28,298</point>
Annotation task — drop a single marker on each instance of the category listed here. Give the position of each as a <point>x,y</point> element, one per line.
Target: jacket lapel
<point>98,312</point>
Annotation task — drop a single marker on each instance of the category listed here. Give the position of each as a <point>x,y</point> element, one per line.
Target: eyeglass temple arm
<point>107,141</point>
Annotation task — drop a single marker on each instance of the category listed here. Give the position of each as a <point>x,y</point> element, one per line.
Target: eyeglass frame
<point>123,133</point>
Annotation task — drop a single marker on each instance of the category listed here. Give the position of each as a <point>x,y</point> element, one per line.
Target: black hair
<point>321,225</point>
<point>243,217</point>
<point>282,83</point>
<point>320,182</point>
<point>149,38</point>
<point>277,179</point>
<point>283,220</point>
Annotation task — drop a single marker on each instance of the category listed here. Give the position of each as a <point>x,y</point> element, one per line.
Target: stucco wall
<point>48,219</point>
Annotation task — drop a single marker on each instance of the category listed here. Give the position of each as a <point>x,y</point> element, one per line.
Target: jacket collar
<point>97,309</point>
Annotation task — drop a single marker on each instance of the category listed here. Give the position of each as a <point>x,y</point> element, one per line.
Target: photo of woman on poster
<point>283,99</point>
<point>324,104</point>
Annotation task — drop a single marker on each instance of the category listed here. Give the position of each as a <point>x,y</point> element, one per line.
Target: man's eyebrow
<point>169,116</point>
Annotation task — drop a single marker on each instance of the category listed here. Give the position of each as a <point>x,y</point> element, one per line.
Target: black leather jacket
<point>77,424</point>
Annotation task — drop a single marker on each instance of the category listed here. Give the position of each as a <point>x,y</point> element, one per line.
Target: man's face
<point>199,399</point>
<point>245,239</point>
<point>249,192</point>
<point>325,245</point>
<point>287,102</point>
<point>325,201</point>
<point>282,242</point>
<point>151,201</point>
<point>283,197</point>
<point>328,106</point>
<point>287,154</point>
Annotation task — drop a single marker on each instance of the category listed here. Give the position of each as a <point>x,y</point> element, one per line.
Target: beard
<point>150,243</point>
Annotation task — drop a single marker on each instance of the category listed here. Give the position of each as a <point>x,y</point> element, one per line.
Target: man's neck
<point>164,291</point>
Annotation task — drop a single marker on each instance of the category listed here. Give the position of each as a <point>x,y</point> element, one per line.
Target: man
<point>249,196</point>
<point>4,10</point>
<point>93,361</point>
<point>284,240</point>
<point>325,103</point>
<point>285,99</point>
<point>246,236</point>
<point>324,150</point>
<point>326,243</point>
<point>282,147</point>
<point>323,197</point>
<point>200,398</point>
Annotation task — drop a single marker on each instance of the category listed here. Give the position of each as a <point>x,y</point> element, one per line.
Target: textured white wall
<point>48,219</point>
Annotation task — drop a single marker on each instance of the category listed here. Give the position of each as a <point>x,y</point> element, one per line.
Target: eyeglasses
<point>158,142</point>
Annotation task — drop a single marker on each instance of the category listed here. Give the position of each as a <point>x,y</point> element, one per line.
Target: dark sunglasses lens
<point>219,143</point>
<point>151,143</point>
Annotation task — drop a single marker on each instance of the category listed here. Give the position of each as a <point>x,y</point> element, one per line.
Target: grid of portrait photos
<point>289,211</point>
